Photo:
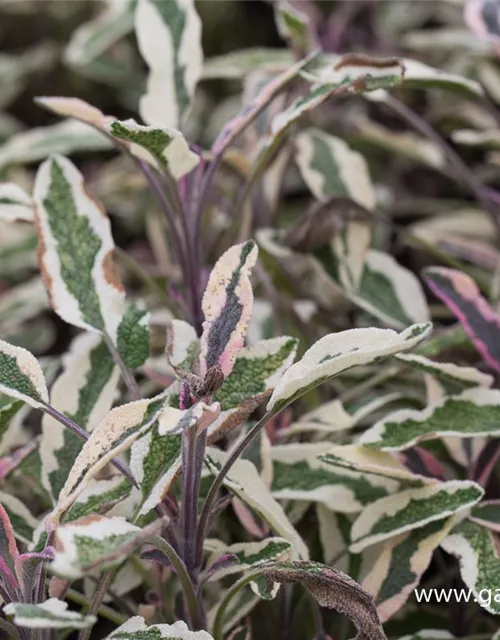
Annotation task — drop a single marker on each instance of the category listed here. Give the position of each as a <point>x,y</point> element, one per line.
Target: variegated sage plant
<point>143,450</point>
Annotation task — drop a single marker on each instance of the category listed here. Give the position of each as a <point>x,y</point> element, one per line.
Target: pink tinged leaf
<point>227,305</point>
<point>8,551</point>
<point>28,567</point>
<point>225,561</point>
<point>245,516</point>
<point>424,463</point>
<point>9,463</point>
<point>483,19</point>
<point>461,295</point>
<point>487,514</point>
<point>485,463</point>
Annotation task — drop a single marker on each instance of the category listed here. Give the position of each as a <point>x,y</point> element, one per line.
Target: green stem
<point>97,599</point>
<point>140,272</point>
<point>218,629</point>
<point>195,614</point>
<point>103,611</point>
<point>9,629</point>
<point>128,378</point>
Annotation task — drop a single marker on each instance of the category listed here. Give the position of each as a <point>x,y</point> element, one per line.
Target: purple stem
<point>193,450</point>
<point>461,170</point>
<point>219,479</point>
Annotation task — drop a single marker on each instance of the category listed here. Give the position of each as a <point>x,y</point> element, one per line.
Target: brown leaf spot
<point>362,60</point>
<point>40,255</point>
<point>110,272</point>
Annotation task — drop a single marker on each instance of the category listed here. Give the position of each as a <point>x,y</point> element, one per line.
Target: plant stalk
<point>195,615</point>
<point>218,628</point>
<point>193,449</point>
<point>462,172</point>
<point>128,378</point>
<point>103,612</point>
<point>97,599</point>
<point>219,479</point>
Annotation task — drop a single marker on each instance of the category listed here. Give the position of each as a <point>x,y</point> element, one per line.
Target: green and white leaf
<point>164,148</point>
<point>17,248</point>
<point>74,108</point>
<point>332,417</point>
<point>482,139</point>
<point>330,167</point>
<point>487,514</point>
<point>411,509</point>
<point>335,70</point>
<point>172,420</point>
<point>293,25</point>
<point>169,37</point>
<point>182,344</point>
<point>84,391</point>
<point>416,74</point>
<point>15,203</point>
<point>244,481</point>
<point>372,462</point>
<point>257,370</point>
<point>248,555</point>
<point>155,460</point>
<point>132,338</point>
<point>298,474</point>
<point>476,549</point>
<point>51,614</point>
<point>114,434</point>
<point>9,409</point>
<point>406,144</point>
<point>386,290</point>
<point>21,376</point>
<point>389,289</point>
<point>85,542</point>
<point>401,564</point>
<point>136,629</point>
<point>64,137</point>
<point>100,496</point>
<point>302,268</point>
<point>23,521</point>
<point>333,530</point>
<point>76,250</point>
<point>236,65</point>
<point>337,352</point>
<point>474,412</point>
<point>421,75</point>
<point>22,302</point>
<point>453,377</point>
<point>95,37</point>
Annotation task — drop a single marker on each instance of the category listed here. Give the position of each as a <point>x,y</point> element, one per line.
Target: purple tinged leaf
<point>332,589</point>
<point>240,633</point>
<point>8,550</point>
<point>227,305</point>
<point>28,567</point>
<point>225,561</point>
<point>461,295</point>
<point>239,123</point>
